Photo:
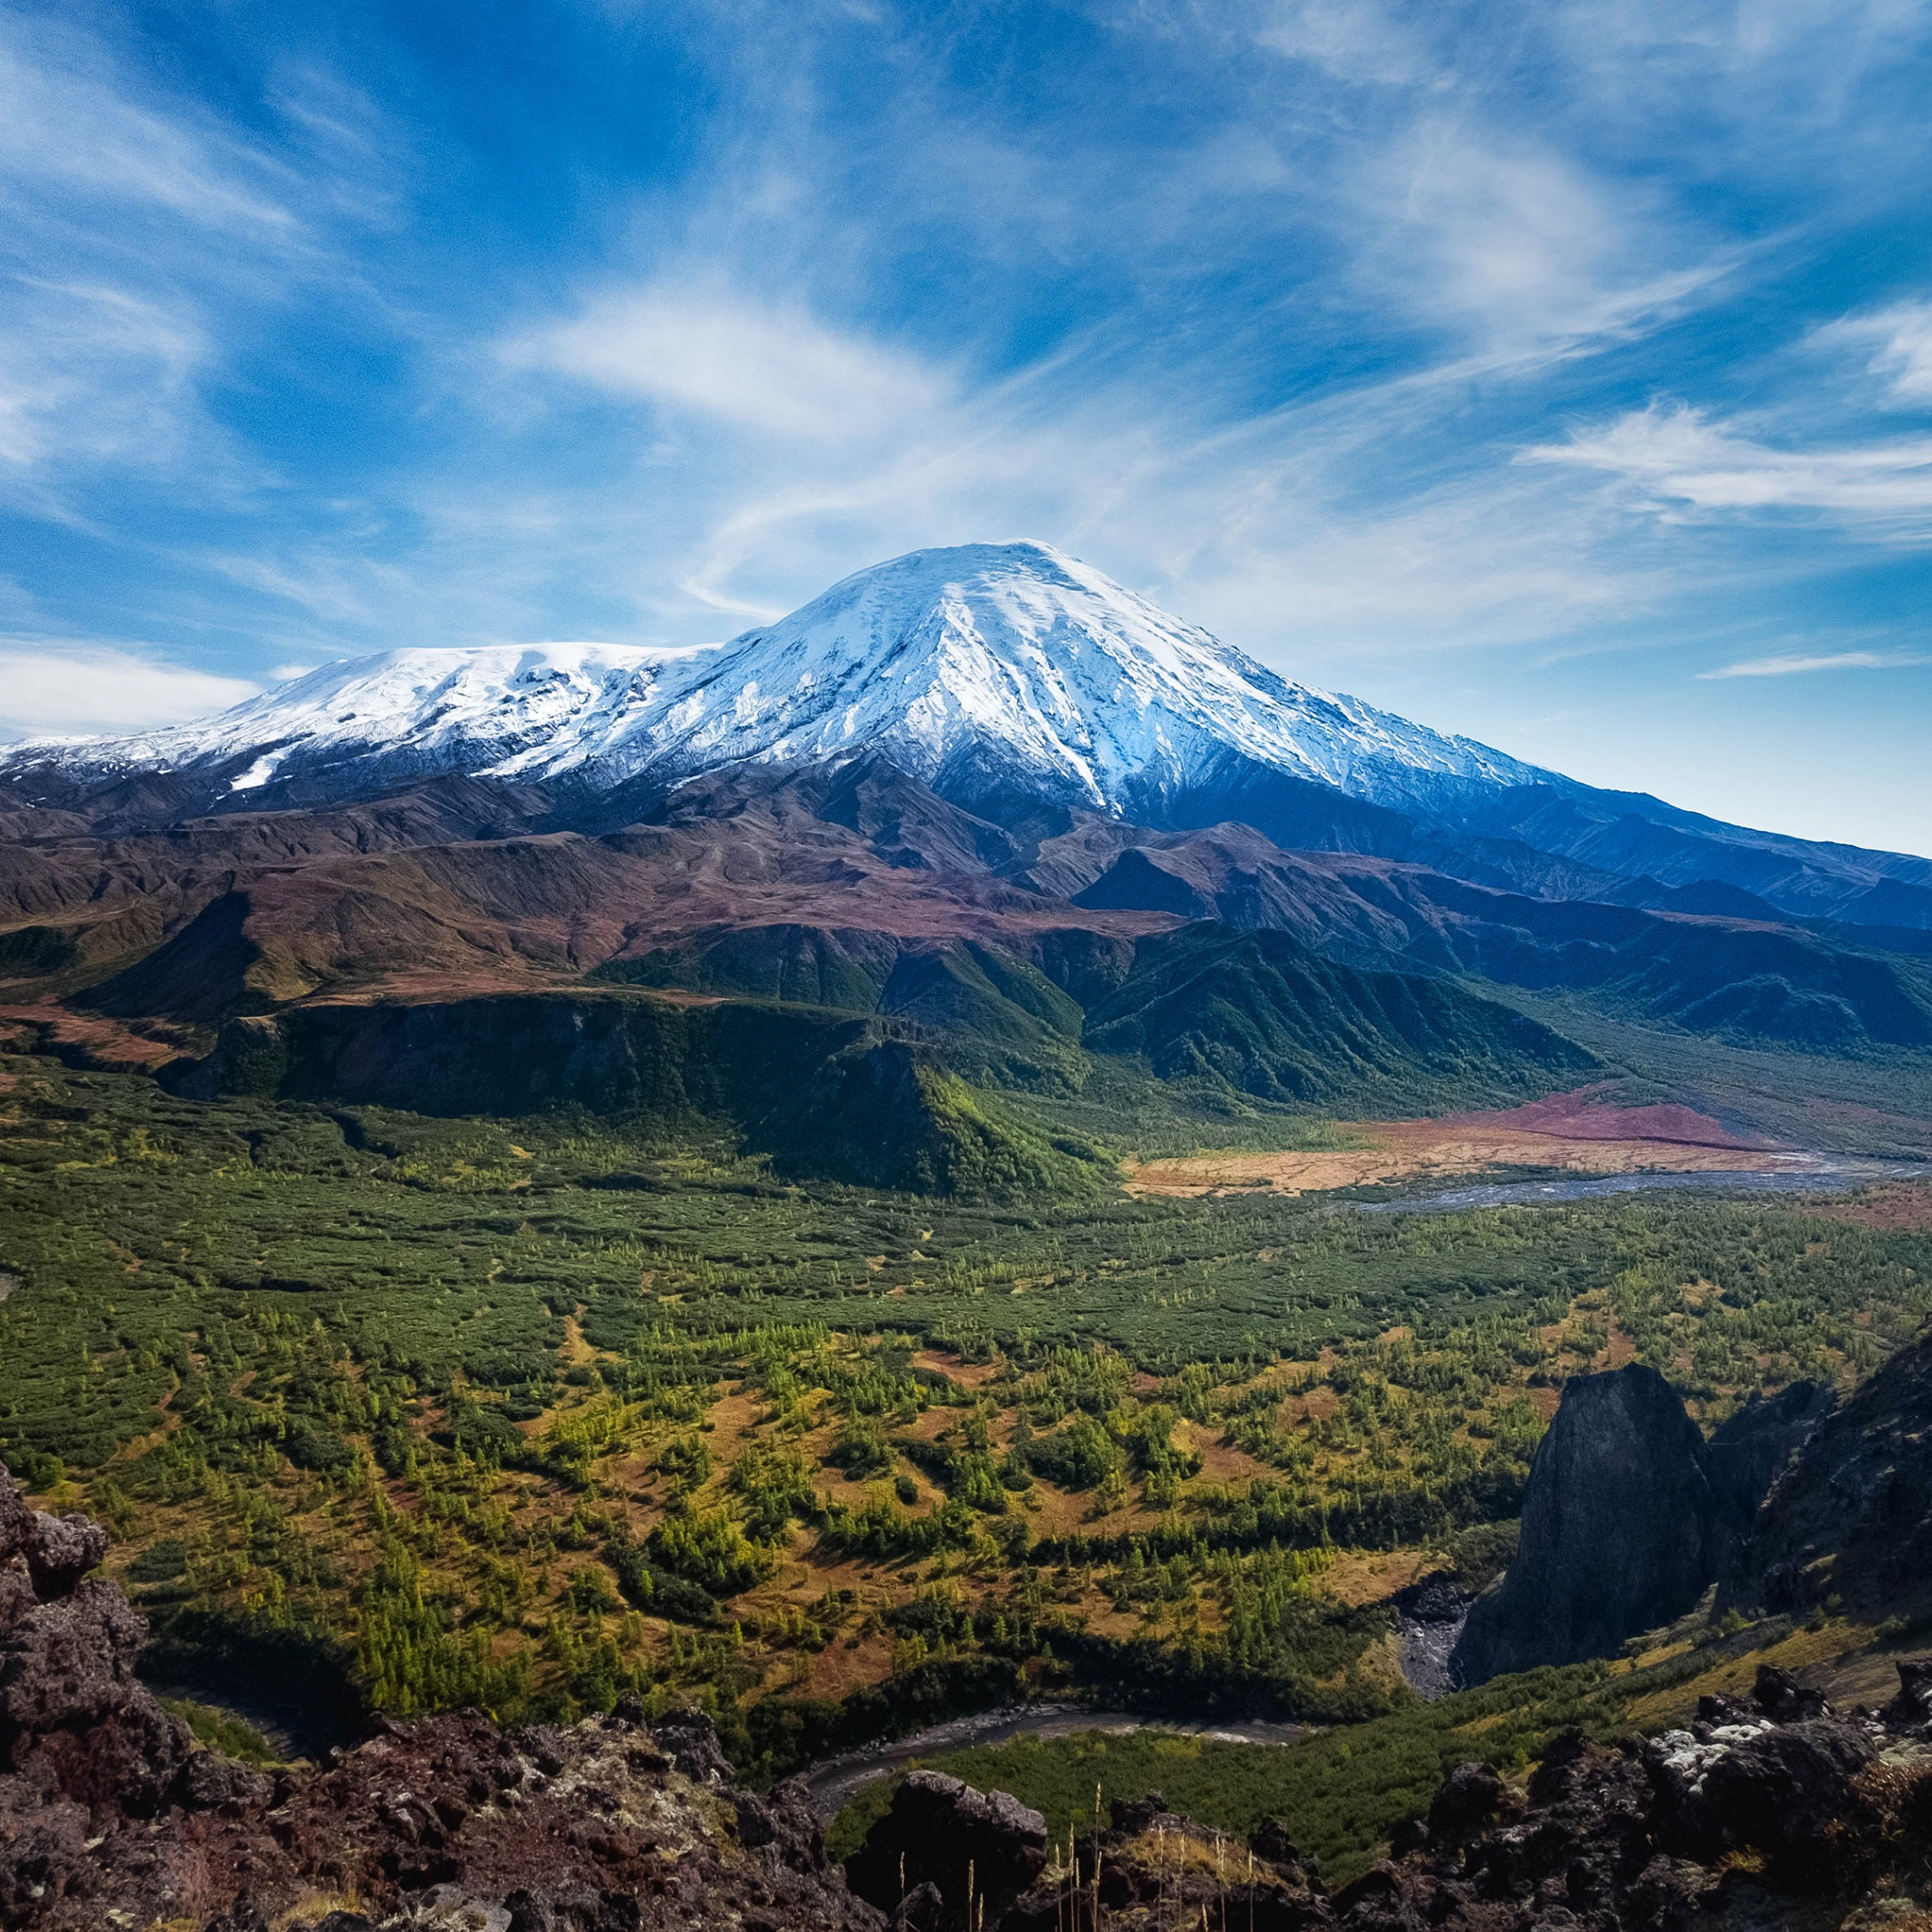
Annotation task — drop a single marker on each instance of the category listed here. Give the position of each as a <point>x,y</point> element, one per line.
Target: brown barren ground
<point>1906,1207</point>
<point>105,1041</point>
<point>1575,1133</point>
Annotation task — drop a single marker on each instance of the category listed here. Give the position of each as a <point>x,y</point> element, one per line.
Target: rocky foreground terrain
<point>110,1816</point>
<point>1775,1812</point>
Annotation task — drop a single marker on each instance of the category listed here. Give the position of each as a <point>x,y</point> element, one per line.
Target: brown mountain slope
<point>464,885</point>
<point>531,910</point>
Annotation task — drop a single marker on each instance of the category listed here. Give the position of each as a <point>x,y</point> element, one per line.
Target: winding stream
<point>834,1782</point>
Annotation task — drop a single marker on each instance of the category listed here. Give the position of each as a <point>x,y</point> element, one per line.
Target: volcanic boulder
<point>982,1846</point>
<point>79,1735</point>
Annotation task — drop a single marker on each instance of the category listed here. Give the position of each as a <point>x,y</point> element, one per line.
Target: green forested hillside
<point>1260,1013</point>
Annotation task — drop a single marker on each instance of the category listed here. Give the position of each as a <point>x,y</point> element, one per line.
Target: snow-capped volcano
<point>1003,675</point>
<point>1012,660</point>
<point>1006,664</point>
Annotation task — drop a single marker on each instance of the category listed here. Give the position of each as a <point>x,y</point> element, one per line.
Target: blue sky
<point>1555,373</point>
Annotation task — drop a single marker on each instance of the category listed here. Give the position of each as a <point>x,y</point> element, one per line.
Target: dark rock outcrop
<point>1852,1517</point>
<point>80,1737</point>
<point>1628,1516</point>
<point>1749,1450</point>
<point>1780,1776</point>
<point>1745,1819</point>
<point>1622,1531</point>
<point>977,1851</point>
<point>108,1815</point>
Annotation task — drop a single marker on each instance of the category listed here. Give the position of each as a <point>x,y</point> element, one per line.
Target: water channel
<point>1822,1173</point>
<point>834,1782</point>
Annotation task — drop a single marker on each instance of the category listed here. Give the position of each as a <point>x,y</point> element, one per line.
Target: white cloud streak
<point>73,129</point>
<point>1526,248</point>
<point>1898,343</point>
<point>765,368</point>
<point>60,689</point>
<point>1798,665</point>
<point>1677,458</point>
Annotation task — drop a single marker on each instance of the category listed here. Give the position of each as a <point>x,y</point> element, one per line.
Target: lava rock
<point>1470,1796</point>
<point>1780,1697</point>
<point>1853,1515</point>
<point>1270,1841</point>
<point>692,1740</point>
<point>1788,1791</point>
<point>1132,1816</point>
<point>210,1782</point>
<point>920,1910</point>
<point>1750,1449</point>
<point>1913,1708</point>
<point>58,1550</point>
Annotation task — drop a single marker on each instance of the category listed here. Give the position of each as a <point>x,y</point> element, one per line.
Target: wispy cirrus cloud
<point>1897,345</point>
<point>763,366</point>
<point>1500,231</point>
<point>70,127</point>
<point>1678,458</point>
<point>1800,664</point>
<point>113,211</point>
<point>92,374</point>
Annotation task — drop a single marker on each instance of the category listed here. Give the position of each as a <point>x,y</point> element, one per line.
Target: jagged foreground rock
<point>110,1817</point>
<point>1774,1813</point>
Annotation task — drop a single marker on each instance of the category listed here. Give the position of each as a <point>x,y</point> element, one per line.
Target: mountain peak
<point>1006,677</point>
<point>976,667</point>
<point>979,666</point>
